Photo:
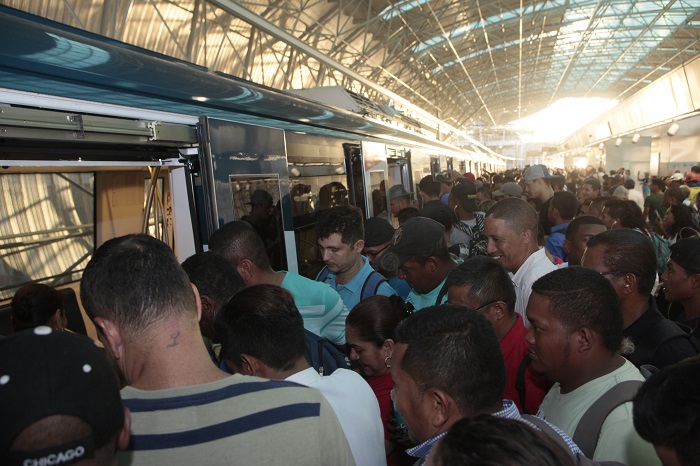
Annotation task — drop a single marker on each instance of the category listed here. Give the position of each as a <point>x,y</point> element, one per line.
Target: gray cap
<point>621,193</point>
<point>509,189</point>
<point>535,172</point>
<point>398,190</point>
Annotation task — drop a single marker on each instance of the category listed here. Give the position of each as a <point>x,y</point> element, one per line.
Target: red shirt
<point>381,386</point>
<point>514,348</point>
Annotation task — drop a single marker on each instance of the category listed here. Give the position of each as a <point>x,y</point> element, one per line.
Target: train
<point>99,138</point>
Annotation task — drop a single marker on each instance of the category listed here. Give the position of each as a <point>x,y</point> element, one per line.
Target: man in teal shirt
<point>419,251</point>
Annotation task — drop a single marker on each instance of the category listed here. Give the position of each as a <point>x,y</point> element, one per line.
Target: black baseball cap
<point>415,237</point>
<point>686,253</point>
<point>377,231</point>
<point>45,372</point>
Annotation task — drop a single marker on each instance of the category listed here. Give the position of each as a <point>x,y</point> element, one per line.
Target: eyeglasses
<point>373,254</point>
<point>488,304</point>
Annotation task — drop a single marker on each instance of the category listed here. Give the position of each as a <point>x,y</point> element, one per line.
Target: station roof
<point>470,63</point>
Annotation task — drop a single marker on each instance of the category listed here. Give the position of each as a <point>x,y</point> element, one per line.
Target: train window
<point>434,165</point>
<point>47,228</point>
<point>378,189</point>
<point>450,166</point>
<point>256,199</point>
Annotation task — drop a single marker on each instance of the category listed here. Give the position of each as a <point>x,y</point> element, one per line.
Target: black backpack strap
<point>441,294</point>
<point>520,382</point>
<point>371,285</point>
<point>590,425</point>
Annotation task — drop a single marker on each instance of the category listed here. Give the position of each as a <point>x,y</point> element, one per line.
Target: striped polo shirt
<point>236,420</point>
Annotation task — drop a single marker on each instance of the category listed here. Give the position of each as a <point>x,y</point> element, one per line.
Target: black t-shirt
<point>643,333</point>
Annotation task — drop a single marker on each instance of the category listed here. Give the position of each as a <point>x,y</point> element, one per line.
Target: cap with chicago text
<point>43,373</point>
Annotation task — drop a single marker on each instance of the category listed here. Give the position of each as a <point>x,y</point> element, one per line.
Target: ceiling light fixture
<point>635,138</point>
<point>673,129</point>
<point>618,142</point>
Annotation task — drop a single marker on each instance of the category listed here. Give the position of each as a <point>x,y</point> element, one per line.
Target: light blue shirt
<point>321,307</point>
<point>420,301</point>
<point>555,241</point>
<point>351,292</point>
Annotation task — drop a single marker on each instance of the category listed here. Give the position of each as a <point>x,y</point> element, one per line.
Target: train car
<point>100,139</point>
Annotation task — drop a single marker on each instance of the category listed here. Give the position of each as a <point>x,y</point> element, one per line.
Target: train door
<point>244,176</point>
<point>463,166</point>
<point>399,173</point>
<point>434,165</point>
<point>450,163</point>
<point>71,181</point>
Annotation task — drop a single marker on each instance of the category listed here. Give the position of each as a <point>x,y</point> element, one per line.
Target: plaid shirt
<point>509,411</point>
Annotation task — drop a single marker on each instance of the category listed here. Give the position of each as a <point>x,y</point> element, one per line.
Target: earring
<point>386,362</point>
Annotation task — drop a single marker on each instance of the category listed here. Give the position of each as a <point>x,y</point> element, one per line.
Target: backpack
<point>369,288</point>
<point>322,355</point>
<point>477,244</point>
<point>665,331</point>
<point>520,382</point>
<point>548,430</point>
<point>663,252</point>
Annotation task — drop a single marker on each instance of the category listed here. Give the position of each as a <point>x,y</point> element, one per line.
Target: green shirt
<point>653,203</point>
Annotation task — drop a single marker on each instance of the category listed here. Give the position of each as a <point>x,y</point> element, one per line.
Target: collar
<point>561,226</point>
<point>306,377</point>
<point>423,450</point>
<point>529,262</point>
<point>356,282</point>
<point>509,411</point>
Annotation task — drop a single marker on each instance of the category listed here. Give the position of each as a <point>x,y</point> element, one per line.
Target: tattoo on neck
<point>174,336</point>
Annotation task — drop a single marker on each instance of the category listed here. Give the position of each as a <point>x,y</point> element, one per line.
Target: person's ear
<point>198,301</point>
<point>629,283</point>
<point>442,407</point>
<point>567,246</point>
<point>250,365</point>
<point>56,320</point>
<point>695,281</point>
<point>500,310</point>
<point>245,270</point>
<point>111,337</point>
<point>527,236</point>
<point>583,339</point>
<point>387,348</point>
<point>359,245</point>
<point>431,264</point>
<point>124,435</point>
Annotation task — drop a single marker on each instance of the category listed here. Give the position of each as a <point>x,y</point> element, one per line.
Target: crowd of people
<point>521,318</point>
